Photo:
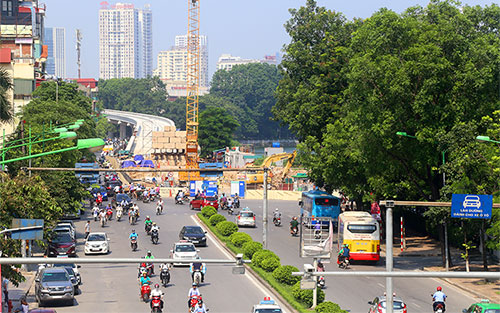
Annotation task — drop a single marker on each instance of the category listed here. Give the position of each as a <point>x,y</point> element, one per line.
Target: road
<point>114,288</point>
<point>353,293</point>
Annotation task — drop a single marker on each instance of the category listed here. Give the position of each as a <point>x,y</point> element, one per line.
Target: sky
<point>249,29</point>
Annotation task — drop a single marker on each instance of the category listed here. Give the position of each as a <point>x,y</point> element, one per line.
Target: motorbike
<point>147,228</point>
<point>156,304</point>
<point>132,219</point>
<point>103,222</point>
<point>236,203</point>
<point>197,277</point>
<point>179,200</point>
<point>154,237</point>
<point>317,234</point>
<point>150,269</point>
<point>159,209</point>
<point>118,215</point>
<point>145,292</point>
<point>277,221</point>
<point>133,243</point>
<point>165,276</point>
<point>230,209</point>
<point>294,231</point>
<point>344,264</point>
<point>96,216</point>
<point>194,301</point>
<point>109,214</point>
<point>321,282</point>
<point>439,308</point>
<point>142,269</point>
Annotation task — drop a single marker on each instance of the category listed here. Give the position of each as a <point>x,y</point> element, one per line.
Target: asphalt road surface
<point>114,288</point>
<point>353,293</point>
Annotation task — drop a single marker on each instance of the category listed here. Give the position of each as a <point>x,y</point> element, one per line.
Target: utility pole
<point>388,255</point>
<point>79,38</point>
<point>264,207</point>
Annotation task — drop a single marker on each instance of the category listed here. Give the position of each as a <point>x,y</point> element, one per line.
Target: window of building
<point>7,7</point>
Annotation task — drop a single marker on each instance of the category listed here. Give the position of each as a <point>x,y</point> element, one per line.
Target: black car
<point>119,197</point>
<point>194,234</point>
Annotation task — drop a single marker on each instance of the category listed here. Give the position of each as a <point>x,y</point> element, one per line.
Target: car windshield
<point>326,201</point>
<point>268,311</point>
<point>194,230</point>
<point>70,271</point>
<point>492,311</point>
<point>184,248</point>
<point>211,199</point>
<point>361,229</point>
<point>398,305</point>
<point>49,277</point>
<point>121,196</point>
<point>96,237</point>
<point>114,183</point>
<point>64,265</point>
<point>62,237</point>
<point>246,214</point>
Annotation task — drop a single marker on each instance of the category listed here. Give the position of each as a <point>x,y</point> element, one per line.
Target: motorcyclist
<point>294,224</point>
<point>103,215</point>
<point>321,267</point>
<point>192,292</point>
<point>160,204</point>
<point>438,298</point>
<point>276,215</point>
<point>119,208</point>
<point>133,234</point>
<point>150,256</point>
<point>145,279</point>
<point>154,227</point>
<point>198,266</point>
<point>344,253</point>
<point>156,292</point>
<point>200,308</point>
<point>95,211</point>
<point>147,223</point>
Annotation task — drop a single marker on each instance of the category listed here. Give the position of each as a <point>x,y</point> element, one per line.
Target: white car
<point>472,202</point>
<point>245,218</point>
<point>266,306</point>
<point>183,250</point>
<point>97,243</point>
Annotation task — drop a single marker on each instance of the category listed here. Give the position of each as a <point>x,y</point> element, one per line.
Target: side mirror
<point>205,231</point>
<point>37,280</point>
<point>370,303</point>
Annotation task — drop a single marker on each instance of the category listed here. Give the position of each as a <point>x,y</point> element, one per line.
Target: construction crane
<point>193,83</point>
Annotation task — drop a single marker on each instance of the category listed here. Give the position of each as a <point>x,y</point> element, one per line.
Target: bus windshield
<point>326,201</point>
<point>362,229</point>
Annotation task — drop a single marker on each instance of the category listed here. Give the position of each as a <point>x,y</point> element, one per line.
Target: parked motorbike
<point>277,221</point>
<point>165,276</point>
<point>154,236</point>
<point>197,277</point>
<point>133,243</point>
<point>156,304</point>
<point>145,292</point>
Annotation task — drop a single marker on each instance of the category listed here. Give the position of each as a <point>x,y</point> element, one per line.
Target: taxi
<point>183,250</point>
<point>266,306</point>
<point>483,307</point>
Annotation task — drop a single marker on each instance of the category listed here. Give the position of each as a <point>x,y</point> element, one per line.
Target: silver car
<point>54,284</point>
<point>245,218</point>
<point>378,305</point>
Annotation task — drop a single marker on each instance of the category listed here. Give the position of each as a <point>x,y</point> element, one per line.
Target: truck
<point>90,177</point>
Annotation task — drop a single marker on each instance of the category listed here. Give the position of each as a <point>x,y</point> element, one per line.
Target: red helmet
<point>439,288</point>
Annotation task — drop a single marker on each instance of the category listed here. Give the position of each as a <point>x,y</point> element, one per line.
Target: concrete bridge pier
<point>123,130</point>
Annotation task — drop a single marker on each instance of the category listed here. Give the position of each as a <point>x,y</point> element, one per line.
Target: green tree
<point>216,130</point>
<point>5,104</point>
<point>247,91</point>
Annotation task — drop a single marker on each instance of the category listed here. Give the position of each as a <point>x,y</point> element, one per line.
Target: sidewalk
<point>25,289</point>
<point>424,253</point>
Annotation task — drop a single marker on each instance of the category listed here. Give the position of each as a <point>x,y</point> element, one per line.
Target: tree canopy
<point>216,130</point>
<point>5,103</point>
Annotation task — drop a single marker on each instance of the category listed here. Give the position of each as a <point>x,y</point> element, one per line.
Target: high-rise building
<point>172,66</point>
<point>227,61</point>
<point>125,41</point>
<point>55,39</point>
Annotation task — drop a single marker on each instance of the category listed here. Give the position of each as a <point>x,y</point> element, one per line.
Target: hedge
<point>239,239</point>
<point>270,264</point>
<point>226,228</point>
<point>216,219</point>
<point>261,255</point>
<point>328,307</point>
<point>283,274</point>
<point>306,296</point>
<point>249,248</point>
<point>208,211</point>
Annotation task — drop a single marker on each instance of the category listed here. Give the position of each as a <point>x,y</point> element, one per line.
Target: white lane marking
<point>265,291</point>
<point>381,285</point>
<point>416,305</point>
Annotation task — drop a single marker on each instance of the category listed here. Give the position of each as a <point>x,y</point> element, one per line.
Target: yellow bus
<point>361,232</point>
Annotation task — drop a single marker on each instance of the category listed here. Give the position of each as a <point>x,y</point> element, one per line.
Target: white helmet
<point>276,210</point>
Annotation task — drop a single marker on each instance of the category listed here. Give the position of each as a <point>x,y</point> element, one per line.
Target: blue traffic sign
<point>28,234</point>
<point>471,206</point>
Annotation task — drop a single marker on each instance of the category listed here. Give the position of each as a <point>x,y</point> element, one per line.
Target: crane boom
<point>193,83</point>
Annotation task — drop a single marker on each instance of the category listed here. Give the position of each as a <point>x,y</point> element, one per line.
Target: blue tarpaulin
<point>128,164</point>
<point>147,163</point>
<point>138,157</point>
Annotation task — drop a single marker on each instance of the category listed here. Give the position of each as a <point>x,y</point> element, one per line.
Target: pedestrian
<point>87,229</point>
<point>5,289</point>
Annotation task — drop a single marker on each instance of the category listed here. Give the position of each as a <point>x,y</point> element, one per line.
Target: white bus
<point>361,232</point>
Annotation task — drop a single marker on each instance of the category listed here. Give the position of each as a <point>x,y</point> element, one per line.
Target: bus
<point>317,203</point>
<point>361,232</point>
